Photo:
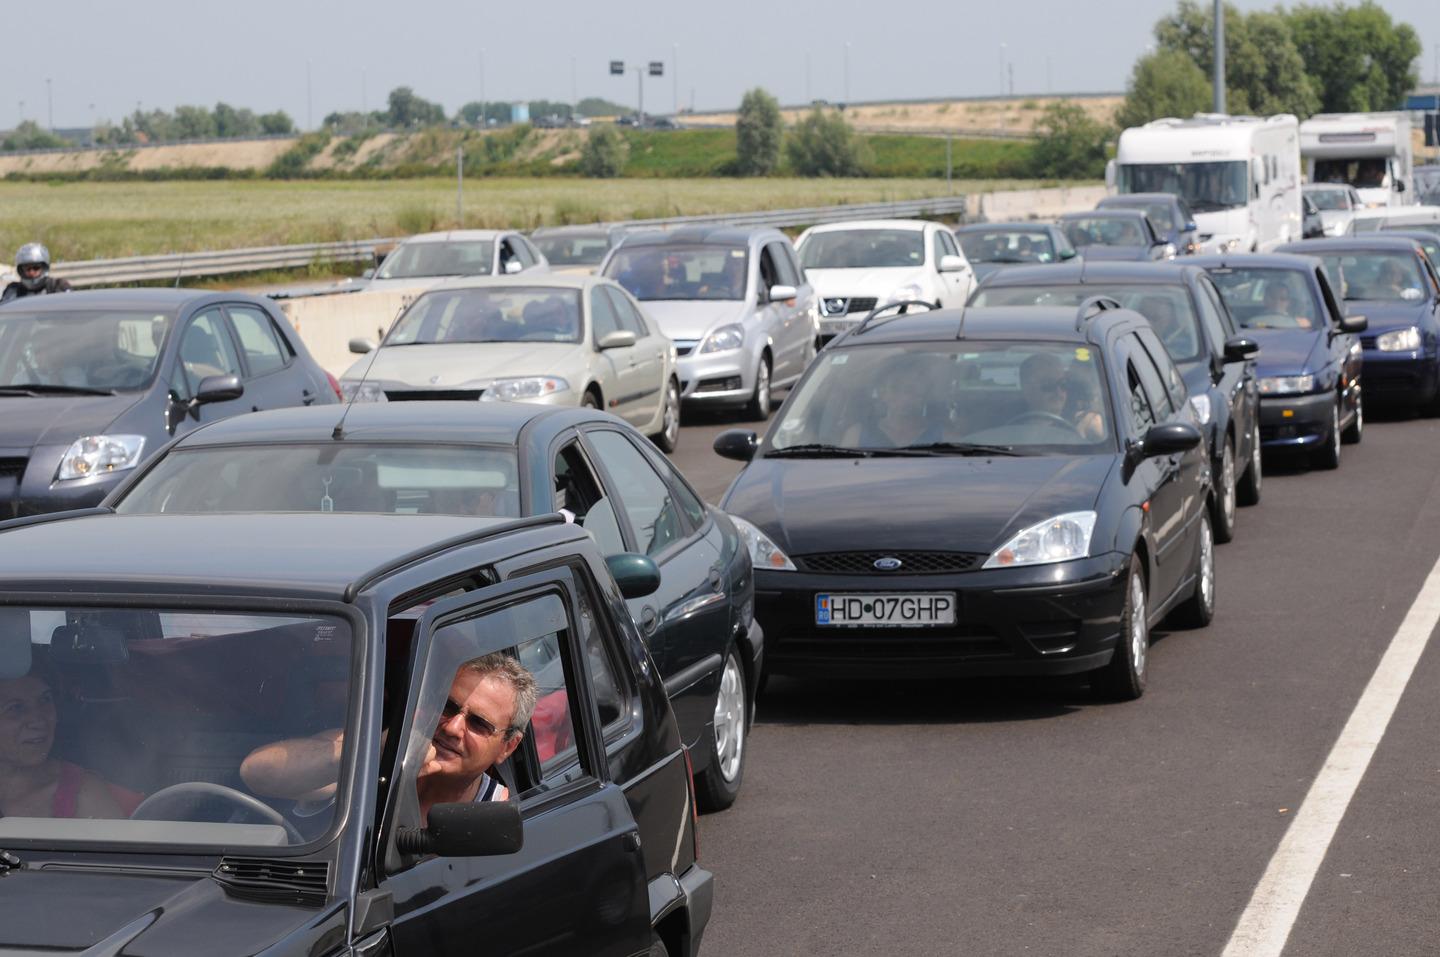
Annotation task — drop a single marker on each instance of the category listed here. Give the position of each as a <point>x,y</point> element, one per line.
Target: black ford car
<point>993,492</point>
<point>145,677</point>
<point>1216,360</point>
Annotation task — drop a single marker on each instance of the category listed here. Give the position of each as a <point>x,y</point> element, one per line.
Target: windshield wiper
<point>34,388</point>
<point>961,448</point>
<point>819,450</point>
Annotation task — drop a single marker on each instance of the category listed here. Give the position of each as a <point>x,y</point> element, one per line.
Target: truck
<point>1240,175</point>
<point>1370,151</point>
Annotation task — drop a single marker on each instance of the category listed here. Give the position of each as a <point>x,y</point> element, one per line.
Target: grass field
<point>97,220</point>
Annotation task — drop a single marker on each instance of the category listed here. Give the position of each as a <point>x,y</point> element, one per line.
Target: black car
<point>151,672</point>
<point>1389,281</point>
<point>1217,362</point>
<point>1123,235</point>
<point>1310,358</point>
<point>93,383</point>
<point>1426,239</point>
<point>993,492</point>
<point>992,246</point>
<point>576,247</point>
<point>1167,212</point>
<point>470,458</point>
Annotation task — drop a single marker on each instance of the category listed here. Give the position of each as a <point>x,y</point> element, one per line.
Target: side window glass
<point>206,349</point>
<point>602,313</point>
<point>947,241</point>
<point>1169,373</point>
<point>938,247</point>
<point>1210,319</point>
<point>769,276</point>
<point>612,697</point>
<point>1150,381</point>
<point>625,311</point>
<point>654,516</point>
<point>525,251</point>
<point>1331,306</point>
<point>577,492</point>
<point>1141,415</point>
<point>1227,321</point>
<point>689,502</point>
<point>794,261</point>
<point>257,337</point>
<point>784,270</point>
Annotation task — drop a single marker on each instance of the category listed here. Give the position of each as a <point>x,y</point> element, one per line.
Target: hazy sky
<point>103,58</point>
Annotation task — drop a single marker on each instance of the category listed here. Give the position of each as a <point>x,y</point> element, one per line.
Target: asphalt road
<point>1019,817</point>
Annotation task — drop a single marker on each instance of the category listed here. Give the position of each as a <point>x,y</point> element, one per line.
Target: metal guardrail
<point>102,272</point>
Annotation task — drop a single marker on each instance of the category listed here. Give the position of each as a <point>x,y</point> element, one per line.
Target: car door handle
<point>308,396</point>
<point>649,618</point>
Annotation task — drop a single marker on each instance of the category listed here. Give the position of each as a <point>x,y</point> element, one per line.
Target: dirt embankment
<point>1014,116</point>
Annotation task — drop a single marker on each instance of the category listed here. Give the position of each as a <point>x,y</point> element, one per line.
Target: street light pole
<point>49,106</point>
<point>675,76</point>
<point>1219,56</point>
<point>309,100</point>
<point>1002,69</point>
<point>847,72</point>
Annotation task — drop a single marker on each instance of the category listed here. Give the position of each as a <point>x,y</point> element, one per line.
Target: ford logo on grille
<point>887,564</point>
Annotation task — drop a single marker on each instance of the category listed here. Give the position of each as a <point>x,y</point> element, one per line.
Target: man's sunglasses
<point>474,722</point>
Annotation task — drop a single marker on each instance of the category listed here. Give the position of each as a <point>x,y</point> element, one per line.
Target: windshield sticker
<point>324,633</point>
<point>327,504</point>
<point>737,254</point>
<point>1082,354</point>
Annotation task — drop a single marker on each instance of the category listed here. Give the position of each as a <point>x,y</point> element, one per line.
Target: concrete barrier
<point>327,323</point>
<point>1035,204</point>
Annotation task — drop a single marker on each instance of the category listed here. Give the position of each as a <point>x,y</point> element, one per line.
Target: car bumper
<point>1399,376</point>
<point>35,492</point>
<point>830,327</point>
<point>721,378</point>
<point>1295,421</point>
<point>698,886</point>
<point>1043,620</point>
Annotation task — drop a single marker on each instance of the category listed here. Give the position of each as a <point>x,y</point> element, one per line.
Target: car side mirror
<point>1399,186</point>
<point>217,388</point>
<point>512,266</point>
<point>952,263</point>
<point>1191,226</point>
<point>473,829</point>
<point>637,575</point>
<point>1068,254</point>
<point>1239,348</point>
<point>737,444</point>
<point>1354,323</point>
<point>783,293</point>
<point>361,346</point>
<point>1168,438</point>
<point>618,339</point>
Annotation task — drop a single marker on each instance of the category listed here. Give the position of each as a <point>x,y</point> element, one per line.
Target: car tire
<point>1123,679</point>
<point>1248,491</point>
<point>1356,430</point>
<point>1327,457</point>
<point>719,784</point>
<point>668,438</point>
<point>590,400</point>
<point>761,402</point>
<point>1223,510</point>
<point>1199,609</point>
<point>657,946</point>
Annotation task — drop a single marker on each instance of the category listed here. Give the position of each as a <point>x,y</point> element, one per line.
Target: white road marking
<point>1265,925</point>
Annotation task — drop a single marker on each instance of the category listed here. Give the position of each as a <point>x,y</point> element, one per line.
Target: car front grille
<point>11,472</point>
<point>911,563</point>
<point>832,306</point>
<point>434,395</point>
<point>1368,342</point>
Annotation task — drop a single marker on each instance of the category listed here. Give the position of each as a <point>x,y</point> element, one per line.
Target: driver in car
<point>1052,395</point>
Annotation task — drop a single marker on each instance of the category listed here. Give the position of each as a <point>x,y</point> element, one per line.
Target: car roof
<point>1047,323</point>
<point>1108,213</point>
<point>1065,273</point>
<point>1341,243</point>
<point>558,280</point>
<point>169,300</point>
<point>1124,199</point>
<point>701,236</point>
<point>1252,261</point>
<point>578,229</point>
<point>456,235</point>
<point>912,224</point>
<point>298,554</point>
<point>1014,226</point>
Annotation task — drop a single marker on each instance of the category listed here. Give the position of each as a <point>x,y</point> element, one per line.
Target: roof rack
<point>881,312</point>
<point>1092,307</point>
<point>28,520</point>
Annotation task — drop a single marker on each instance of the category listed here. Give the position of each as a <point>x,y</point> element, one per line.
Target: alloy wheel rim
<point>1139,634</point>
<point>1359,415</point>
<point>672,414</point>
<point>1335,429</point>
<point>730,720</point>
<point>1228,493</point>
<point>1207,567</point>
<point>1255,458</point>
<point>762,387</point>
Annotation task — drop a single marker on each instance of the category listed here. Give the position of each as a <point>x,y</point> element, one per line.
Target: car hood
<point>1288,351</point>
<point>27,422</point>
<point>414,283</point>
<point>982,269</point>
<point>879,283</point>
<point>109,911</point>
<point>952,503</point>
<point>1384,316</point>
<point>692,318</point>
<point>1115,253</point>
<point>474,364</point>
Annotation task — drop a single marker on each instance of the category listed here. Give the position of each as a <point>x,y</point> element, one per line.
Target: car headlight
<point>1201,405</point>
<point>1059,539</point>
<point>910,291</point>
<point>1287,384</point>
<point>1399,340</point>
<point>1335,229</point>
<point>764,553</point>
<point>524,388</point>
<point>101,454</point>
<point>356,391</point>
<point>724,339</point>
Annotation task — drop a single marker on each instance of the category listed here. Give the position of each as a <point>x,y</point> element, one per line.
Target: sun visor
<point>14,643</point>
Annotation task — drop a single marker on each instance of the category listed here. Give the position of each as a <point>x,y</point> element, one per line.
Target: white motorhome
<point>1370,151</point>
<point>1239,174</point>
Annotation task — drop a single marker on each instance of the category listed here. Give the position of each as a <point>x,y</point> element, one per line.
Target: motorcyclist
<point>32,262</point>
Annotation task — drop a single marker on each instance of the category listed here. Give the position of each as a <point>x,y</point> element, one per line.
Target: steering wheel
<point>190,790</point>
<point>1040,415</point>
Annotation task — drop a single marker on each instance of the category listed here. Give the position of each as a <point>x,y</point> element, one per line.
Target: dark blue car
<point>1126,235</point>
<point>1309,363</point>
<point>1168,213</point>
<point>1390,282</point>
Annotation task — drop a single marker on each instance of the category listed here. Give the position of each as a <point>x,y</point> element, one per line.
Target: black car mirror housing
<point>737,444</point>
<point>1239,348</point>
<point>473,829</point>
<point>1354,323</point>
<point>637,575</point>
<point>217,388</point>
<point>1168,438</point>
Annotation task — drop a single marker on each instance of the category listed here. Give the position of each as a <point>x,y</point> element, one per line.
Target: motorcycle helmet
<point>33,254</point>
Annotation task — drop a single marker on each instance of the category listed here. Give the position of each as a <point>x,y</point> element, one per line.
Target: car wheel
<point>1199,609</point>
<point>668,438</point>
<point>1224,500</point>
<point>589,400</point>
<point>719,784</point>
<point>657,947</point>
<point>1248,492</point>
<point>1123,679</point>
<point>758,410</point>
<point>1356,429</point>
<point>1328,455</point>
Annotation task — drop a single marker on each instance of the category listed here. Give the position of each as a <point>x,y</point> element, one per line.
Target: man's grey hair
<point>500,665</point>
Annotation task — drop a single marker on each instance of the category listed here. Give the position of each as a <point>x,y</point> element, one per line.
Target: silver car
<point>429,258</point>
<point>736,302</point>
<point>546,338</point>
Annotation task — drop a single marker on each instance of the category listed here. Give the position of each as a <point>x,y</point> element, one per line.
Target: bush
<point>823,144</point>
<point>604,154</point>
<point>758,133</point>
<point>29,136</point>
<point>295,161</point>
<point>1071,145</point>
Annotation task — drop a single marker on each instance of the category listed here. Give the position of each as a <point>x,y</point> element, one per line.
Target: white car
<point>859,266</point>
<point>552,339</point>
<point>427,259</point>
<point>1337,202</point>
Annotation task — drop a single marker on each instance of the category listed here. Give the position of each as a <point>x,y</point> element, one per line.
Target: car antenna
<point>339,432</point>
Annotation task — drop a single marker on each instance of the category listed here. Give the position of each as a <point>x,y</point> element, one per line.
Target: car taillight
<point>335,384</point>
<point>694,811</point>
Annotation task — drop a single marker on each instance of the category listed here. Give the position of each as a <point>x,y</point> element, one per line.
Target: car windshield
<point>1329,198</point>
<point>1204,187</point>
<point>1376,276</point>
<point>1168,307</point>
<point>864,249</point>
<point>331,477</point>
<point>84,351</point>
<point>1368,173</point>
<point>1160,213</point>
<point>1021,397</point>
<point>1006,246</point>
<point>681,272</point>
<point>132,723</point>
<point>491,314</point>
<point>577,250</point>
<point>1103,231</point>
<point>460,258</point>
<point>1270,298</point>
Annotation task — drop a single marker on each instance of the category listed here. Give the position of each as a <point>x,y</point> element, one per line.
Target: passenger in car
<point>901,415</point>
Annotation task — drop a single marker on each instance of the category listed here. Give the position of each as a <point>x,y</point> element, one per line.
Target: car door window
<point>256,331</point>
<point>629,317</point>
<point>651,507</point>
<point>1220,311</point>
<point>1210,319</point>
<point>783,269</point>
<point>206,349</point>
<point>603,317</point>
<point>1142,416</point>
<point>578,492</point>
<point>939,248</point>
<point>522,251</point>
<point>613,697</point>
<point>947,243</point>
<point>1150,381</point>
<point>1169,373</point>
<point>769,275</point>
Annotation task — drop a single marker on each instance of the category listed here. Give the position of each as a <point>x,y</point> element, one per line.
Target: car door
<point>686,623</point>
<point>1346,355</point>
<point>955,286</point>
<point>645,389</point>
<point>617,369</point>
<point>578,884</point>
<point>1237,381</point>
<point>785,320</point>
<point>206,349</point>
<point>272,377</point>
